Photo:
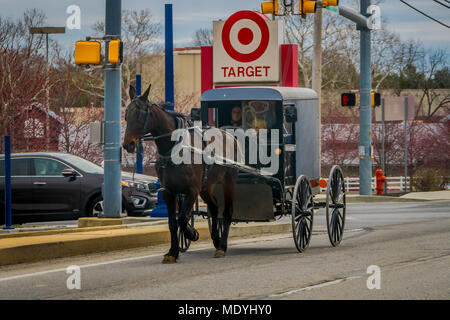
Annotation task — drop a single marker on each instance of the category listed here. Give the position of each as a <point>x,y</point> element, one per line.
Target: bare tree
<point>22,67</point>
<point>433,99</point>
<point>203,37</point>
<point>139,33</point>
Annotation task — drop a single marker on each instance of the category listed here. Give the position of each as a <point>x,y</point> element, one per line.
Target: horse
<point>191,180</point>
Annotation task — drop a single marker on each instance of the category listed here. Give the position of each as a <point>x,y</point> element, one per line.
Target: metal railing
<point>393,184</point>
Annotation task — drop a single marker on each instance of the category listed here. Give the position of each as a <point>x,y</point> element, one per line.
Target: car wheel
<point>96,207</point>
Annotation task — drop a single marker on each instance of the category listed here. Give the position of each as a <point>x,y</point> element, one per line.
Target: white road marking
<point>233,242</point>
<point>316,286</point>
<point>400,265</point>
<point>26,275</point>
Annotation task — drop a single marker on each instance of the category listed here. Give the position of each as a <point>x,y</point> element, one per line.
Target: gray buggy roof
<point>259,93</point>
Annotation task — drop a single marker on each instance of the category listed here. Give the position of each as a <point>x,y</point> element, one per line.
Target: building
<point>28,131</point>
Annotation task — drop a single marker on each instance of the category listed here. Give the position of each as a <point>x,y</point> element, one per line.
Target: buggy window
<point>243,114</point>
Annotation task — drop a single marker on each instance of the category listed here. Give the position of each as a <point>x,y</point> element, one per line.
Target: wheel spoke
<point>299,234</point>
<point>307,228</point>
<point>336,227</point>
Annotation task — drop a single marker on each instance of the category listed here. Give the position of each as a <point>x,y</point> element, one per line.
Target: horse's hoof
<point>219,254</point>
<point>196,236</point>
<point>169,259</point>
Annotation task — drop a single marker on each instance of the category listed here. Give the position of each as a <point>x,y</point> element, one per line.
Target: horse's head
<point>138,118</point>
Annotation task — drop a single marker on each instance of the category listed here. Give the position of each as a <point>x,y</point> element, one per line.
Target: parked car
<point>60,186</point>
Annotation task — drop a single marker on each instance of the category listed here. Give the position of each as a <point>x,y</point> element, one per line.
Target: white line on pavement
<point>26,275</point>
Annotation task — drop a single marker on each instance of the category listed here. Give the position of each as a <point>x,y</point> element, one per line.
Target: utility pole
<point>365,116</point>
<point>47,31</point>
<point>112,189</point>
<point>317,62</point>
<point>405,126</point>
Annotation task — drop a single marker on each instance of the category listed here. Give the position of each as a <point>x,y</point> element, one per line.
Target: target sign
<point>246,49</point>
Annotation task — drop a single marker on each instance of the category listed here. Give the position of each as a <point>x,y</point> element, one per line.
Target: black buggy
<point>265,195</point>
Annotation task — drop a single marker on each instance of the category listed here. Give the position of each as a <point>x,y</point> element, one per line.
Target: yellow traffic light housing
<point>115,52</point>
<point>330,3</point>
<point>270,7</point>
<point>307,6</point>
<point>375,99</point>
<point>87,52</point>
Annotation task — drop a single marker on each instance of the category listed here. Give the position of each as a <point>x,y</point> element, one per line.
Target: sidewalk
<point>430,195</point>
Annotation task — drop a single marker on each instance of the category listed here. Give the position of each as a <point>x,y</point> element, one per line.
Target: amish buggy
<point>280,124</point>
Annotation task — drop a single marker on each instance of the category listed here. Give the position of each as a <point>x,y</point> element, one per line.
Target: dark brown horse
<point>144,117</point>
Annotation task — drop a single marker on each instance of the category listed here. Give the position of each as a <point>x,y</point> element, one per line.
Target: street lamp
<point>47,31</point>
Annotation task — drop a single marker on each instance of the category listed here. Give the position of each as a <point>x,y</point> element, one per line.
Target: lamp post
<point>47,31</point>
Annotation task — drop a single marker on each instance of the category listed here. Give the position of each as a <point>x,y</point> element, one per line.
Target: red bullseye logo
<point>245,36</point>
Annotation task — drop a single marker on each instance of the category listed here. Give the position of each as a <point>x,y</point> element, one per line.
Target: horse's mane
<point>173,114</point>
<point>164,106</point>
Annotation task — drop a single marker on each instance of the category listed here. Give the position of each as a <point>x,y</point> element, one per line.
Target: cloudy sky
<point>189,15</point>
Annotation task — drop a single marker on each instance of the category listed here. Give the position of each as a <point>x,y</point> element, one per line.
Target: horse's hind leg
<point>228,184</point>
<point>213,209</point>
<point>185,214</point>
<point>172,255</point>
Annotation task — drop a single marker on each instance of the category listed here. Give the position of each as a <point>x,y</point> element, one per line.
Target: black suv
<point>59,186</point>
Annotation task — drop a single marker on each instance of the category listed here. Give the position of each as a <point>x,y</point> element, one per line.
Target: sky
<point>190,15</point>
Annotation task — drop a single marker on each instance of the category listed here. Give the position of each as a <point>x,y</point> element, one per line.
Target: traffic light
<point>330,3</point>
<point>115,52</point>
<point>375,99</point>
<point>348,99</point>
<point>87,52</point>
<point>270,7</point>
<point>307,6</point>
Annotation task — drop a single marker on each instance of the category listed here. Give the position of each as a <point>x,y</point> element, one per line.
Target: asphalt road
<point>409,242</point>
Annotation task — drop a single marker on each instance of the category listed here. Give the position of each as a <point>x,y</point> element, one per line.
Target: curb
<point>50,245</point>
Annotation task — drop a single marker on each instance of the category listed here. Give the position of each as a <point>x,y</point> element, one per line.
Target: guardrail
<point>393,184</point>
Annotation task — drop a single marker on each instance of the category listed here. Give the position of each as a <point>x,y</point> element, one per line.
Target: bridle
<point>143,114</point>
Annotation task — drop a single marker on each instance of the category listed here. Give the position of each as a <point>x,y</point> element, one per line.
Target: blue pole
<point>365,118</point>
<point>138,84</point>
<point>140,148</point>
<point>161,209</point>
<point>112,189</point>
<point>8,218</point>
<point>169,55</point>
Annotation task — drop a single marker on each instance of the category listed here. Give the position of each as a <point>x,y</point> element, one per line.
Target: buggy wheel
<point>184,243</point>
<point>302,213</point>
<point>335,206</point>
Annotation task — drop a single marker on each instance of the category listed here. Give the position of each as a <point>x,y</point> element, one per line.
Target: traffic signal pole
<point>365,115</point>
<point>369,18</point>
<point>112,189</point>
<point>317,63</point>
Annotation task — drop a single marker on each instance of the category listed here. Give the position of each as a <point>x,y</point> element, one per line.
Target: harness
<point>165,159</point>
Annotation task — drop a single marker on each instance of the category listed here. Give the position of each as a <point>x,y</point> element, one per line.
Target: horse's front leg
<point>185,215</point>
<point>172,255</point>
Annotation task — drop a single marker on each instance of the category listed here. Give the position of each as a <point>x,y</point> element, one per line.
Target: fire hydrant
<point>380,181</point>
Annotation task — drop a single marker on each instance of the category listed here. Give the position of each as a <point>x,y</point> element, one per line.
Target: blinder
<point>142,115</point>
